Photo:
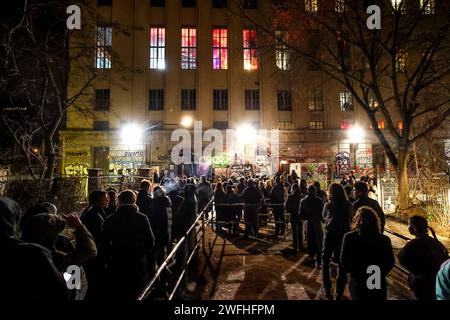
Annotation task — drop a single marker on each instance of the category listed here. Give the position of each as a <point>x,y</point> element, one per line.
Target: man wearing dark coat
<point>363,200</point>
<point>128,240</point>
<point>277,198</point>
<point>311,211</point>
<point>293,207</point>
<point>252,198</point>
<point>144,198</point>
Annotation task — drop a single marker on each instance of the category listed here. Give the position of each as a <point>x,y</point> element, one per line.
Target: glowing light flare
<point>132,134</point>
<point>356,134</point>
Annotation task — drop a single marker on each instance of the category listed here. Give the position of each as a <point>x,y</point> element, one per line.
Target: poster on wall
<point>76,163</point>
<point>365,162</point>
<point>126,162</point>
<point>295,167</point>
<point>263,165</point>
<point>342,164</point>
<point>312,172</point>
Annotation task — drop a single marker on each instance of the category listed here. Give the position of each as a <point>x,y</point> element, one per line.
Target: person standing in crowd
<point>423,257</point>
<point>144,198</point>
<point>204,193</point>
<point>310,211</point>
<point>320,193</point>
<point>112,203</point>
<point>337,214</point>
<point>349,191</point>
<point>362,248</point>
<point>234,211</point>
<point>443,282</point>
<point>252,198</point>
<point>294,176</point>
<point>241,186</point>
<point>293,208</point>
<point>264,210</point>
<point>46,283</point>
<point>93,219</point>
<point>277,199</point>
<point>128,241</point>
<point>219,201</point>
<point>188,215</point>
<point>161,222</point>
<point>45,229</point>
<point>363,200</point>
<point>372,188</point>
<point>176,200</point>
<point>304,187</point>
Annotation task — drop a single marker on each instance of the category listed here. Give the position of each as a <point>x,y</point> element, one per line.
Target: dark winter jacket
<point>144,202</point>
<point>423,258</point>
<point>293,205</point>
<point>161,220</point>
<point>337,217</point>
<point>368,202</point>
<point>128,241</point>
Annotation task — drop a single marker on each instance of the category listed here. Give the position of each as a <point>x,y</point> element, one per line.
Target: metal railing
<point>398,235</point>
<point>179,245</point>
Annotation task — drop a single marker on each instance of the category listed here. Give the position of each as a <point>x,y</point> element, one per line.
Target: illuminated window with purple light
<point>188,48</point>
<point>250,49</point>
<point>157,48</point>
<point>220,48</point>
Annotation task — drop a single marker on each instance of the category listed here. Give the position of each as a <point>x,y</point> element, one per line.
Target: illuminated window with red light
<point>157,48</point>
<point>345,125</point>
<point>250,49</point>
<point>380,125</point>
<point>220,48</point>
<point>188,48</point>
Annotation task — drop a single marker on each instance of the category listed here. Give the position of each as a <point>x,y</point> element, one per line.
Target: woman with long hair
<point>219,200</point>
<point>423,257</point>
<point>337,214</point>
<point>367,253</point>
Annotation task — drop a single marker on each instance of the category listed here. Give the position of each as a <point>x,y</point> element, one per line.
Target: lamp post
<point>355,135</point>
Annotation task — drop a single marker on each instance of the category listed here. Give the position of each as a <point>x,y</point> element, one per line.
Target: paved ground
<point>249,269</point>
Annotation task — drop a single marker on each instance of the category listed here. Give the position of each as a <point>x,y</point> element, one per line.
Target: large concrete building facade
<point>162,61</point>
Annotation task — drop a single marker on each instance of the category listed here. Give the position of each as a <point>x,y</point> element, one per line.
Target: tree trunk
<point>403,200</point>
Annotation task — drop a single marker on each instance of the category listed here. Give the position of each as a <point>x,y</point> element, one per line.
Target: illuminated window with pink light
<point>157,48</point>
<point>220,48</point>
<point>345,125</point>
<point>250,49</point>
<point>188,48</point>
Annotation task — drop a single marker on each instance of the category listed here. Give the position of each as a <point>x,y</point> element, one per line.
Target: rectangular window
<point>428,6</point>
<point>104,2</point>
<point>103,48</point>
<point>284,100</point>
<point>250,4</point>
<point>219,4</point>
<point>316,125</point>
<point>220,99</point>
<point>220,125</point>
<point>101,125</point>
<point>188,48</point>
<point>401,60</point>
<point>156,100</point>
<point>188,3</point>
<point>311,6</point>
<point>251,99</point>
<point>157,48</point>
<point>102,100</point>
<point>346,101</point>
<point>340,6</point>
<point>281,50</point>
<point>157,3</point>
<point>316,101</point>
<point>188,99</point>
<point>220,48</point>
<point>250,49</point>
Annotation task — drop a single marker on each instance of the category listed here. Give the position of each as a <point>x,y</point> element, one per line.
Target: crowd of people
<point>121,239</point>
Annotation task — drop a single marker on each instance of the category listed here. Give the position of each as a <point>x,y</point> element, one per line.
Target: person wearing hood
<point>128,241</point>
<point>19,279</point>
